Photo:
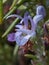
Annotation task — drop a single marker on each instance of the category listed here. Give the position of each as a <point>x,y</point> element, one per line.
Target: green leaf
<point>16,50</point>
<point>13,4</point>
<point>1,11</point>
<point>4,1</point>
<point>15,7</point>
<point>33,57</point>
<point>10,27</point>
<point>39,63</point>
<point>9,12</point>
<point>22,7</point>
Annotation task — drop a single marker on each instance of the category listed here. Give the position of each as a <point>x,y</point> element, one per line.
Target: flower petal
<point>25,20</point>
<point>26,38</point>
<point>11,37</point>
<point>17,34</point>
<point>37,18</point>
<point>18,37</point>
<point>26,31</point>
<point>40,10</point>
<point>18,40</point>
<point>33,26</point>
<point>19,26</point>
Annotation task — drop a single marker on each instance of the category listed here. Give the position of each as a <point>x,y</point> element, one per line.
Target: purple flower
<point>22,40</point>
<point>19,37</point>
<point>23,34</point>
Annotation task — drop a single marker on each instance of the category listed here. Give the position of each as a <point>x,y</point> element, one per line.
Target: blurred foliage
<point>1,11</point>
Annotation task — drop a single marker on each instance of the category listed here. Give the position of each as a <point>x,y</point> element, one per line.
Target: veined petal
<point>19,26</point>
<point>26,31</point>
<point>17,34</point>
<point>14,15</point>
<point>40,10</point>
<point>26,38</point>
<point>11,37</point>
<point>37,18</point>
<point>18,37</point>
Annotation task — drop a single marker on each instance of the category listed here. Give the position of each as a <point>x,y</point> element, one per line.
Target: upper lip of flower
<point>40,10</point>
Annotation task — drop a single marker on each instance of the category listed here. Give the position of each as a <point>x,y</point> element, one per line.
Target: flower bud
<point>40,10</point>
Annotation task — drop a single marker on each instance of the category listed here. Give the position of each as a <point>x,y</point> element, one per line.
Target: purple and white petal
<point>26,22</point>
<point>19,26</point>
<point>18,40</point>
<point>18,34</point>
<point>11,37</point>
<point>25,31</point>
<point>25,19</point>
<point>32,23</point>
<point>14,15</point>
<point>18,37</point>
<point>40,10</point>
<point>26,38</point>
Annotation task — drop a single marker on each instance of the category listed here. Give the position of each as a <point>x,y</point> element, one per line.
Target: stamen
<point>14,15</point>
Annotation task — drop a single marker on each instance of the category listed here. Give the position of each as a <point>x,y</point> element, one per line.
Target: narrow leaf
<point>1,11</point>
